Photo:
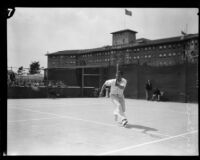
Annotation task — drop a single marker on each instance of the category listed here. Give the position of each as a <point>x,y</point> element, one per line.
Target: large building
<point>171,64</point>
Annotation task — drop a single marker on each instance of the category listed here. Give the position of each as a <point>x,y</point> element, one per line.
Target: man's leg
<point>158,97</point>
<point>147,95</point>
<point>118,108</point>
<point>122,109</point>
<point>115,112</point>
<point>124,121</point>
<point>122,102</point>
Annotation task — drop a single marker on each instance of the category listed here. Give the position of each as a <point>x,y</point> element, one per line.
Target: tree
<point>34,67</point>
<point>20,70</point>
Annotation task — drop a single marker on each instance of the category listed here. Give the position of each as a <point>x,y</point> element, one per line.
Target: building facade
<point>91,67</point>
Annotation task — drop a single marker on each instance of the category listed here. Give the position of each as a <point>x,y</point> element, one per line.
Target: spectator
<point>12,78</point>
<point>148,89</point>
<point>156,94</point>
<point>8,81</point>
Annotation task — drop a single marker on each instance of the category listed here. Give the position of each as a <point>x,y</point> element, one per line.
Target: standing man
<point>12,78</point>
<point>148,89</point>
<point>117,87</point>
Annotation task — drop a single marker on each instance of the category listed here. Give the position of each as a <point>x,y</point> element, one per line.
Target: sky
<point>32,32</point>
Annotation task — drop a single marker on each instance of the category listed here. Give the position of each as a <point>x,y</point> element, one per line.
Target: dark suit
<point>148,89</point>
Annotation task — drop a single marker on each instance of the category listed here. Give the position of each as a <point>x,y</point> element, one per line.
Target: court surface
<point>85,126</point>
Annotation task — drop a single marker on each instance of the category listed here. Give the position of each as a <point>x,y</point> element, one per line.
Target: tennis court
<point>85,126</point>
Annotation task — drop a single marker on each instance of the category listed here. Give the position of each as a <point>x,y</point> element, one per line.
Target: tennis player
<point>117,87</point>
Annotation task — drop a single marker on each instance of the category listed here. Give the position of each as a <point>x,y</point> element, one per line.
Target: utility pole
<point>82,82</point>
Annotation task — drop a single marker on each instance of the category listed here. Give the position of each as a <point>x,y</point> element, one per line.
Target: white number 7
<point>9,11</point>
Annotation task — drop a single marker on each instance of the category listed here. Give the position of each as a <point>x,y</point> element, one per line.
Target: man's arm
<point>102,88</point>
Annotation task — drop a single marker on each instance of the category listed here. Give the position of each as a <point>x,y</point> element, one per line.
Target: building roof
<point>144,41</point>
<point>172,39</point>
<point>141,40</point>
<point>64,52</point>
<point>125,30</point>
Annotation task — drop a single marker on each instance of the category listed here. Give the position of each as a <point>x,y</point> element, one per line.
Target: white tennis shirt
<point>113,88</point>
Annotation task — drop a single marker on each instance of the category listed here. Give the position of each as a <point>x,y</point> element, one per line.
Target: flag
<point>183,33</point>
<point>129,13</point>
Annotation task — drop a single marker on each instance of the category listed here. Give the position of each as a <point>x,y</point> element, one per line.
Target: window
<point>164,55</point>
<point>174,45</point>
<point>160,55</point>
<point>149,56</point>
<point>174,54</point>
<point>160,47</point>
<point>169,54</point>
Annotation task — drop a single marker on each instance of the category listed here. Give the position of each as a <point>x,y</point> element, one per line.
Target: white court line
<point>147,143</point>
<point>35,119</point>
<point>80,119</point>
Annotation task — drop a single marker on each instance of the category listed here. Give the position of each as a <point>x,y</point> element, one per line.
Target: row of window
<point>108,53</point>
<point>68,56</point>
<point>169,54</point>
<point>111,53</point>
<point>164,63</point>
<point>150,63</point>
<point>127,57</point>
<point>155,63</point>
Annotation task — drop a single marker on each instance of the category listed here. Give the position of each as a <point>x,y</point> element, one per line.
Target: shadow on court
<point>145,130</point>
<point>140,127</point>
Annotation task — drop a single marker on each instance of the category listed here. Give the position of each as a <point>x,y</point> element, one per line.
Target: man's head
<point>119,75</point>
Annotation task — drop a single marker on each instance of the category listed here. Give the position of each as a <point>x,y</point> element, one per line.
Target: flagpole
<point>186,28</point>
<point>124,20</point>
